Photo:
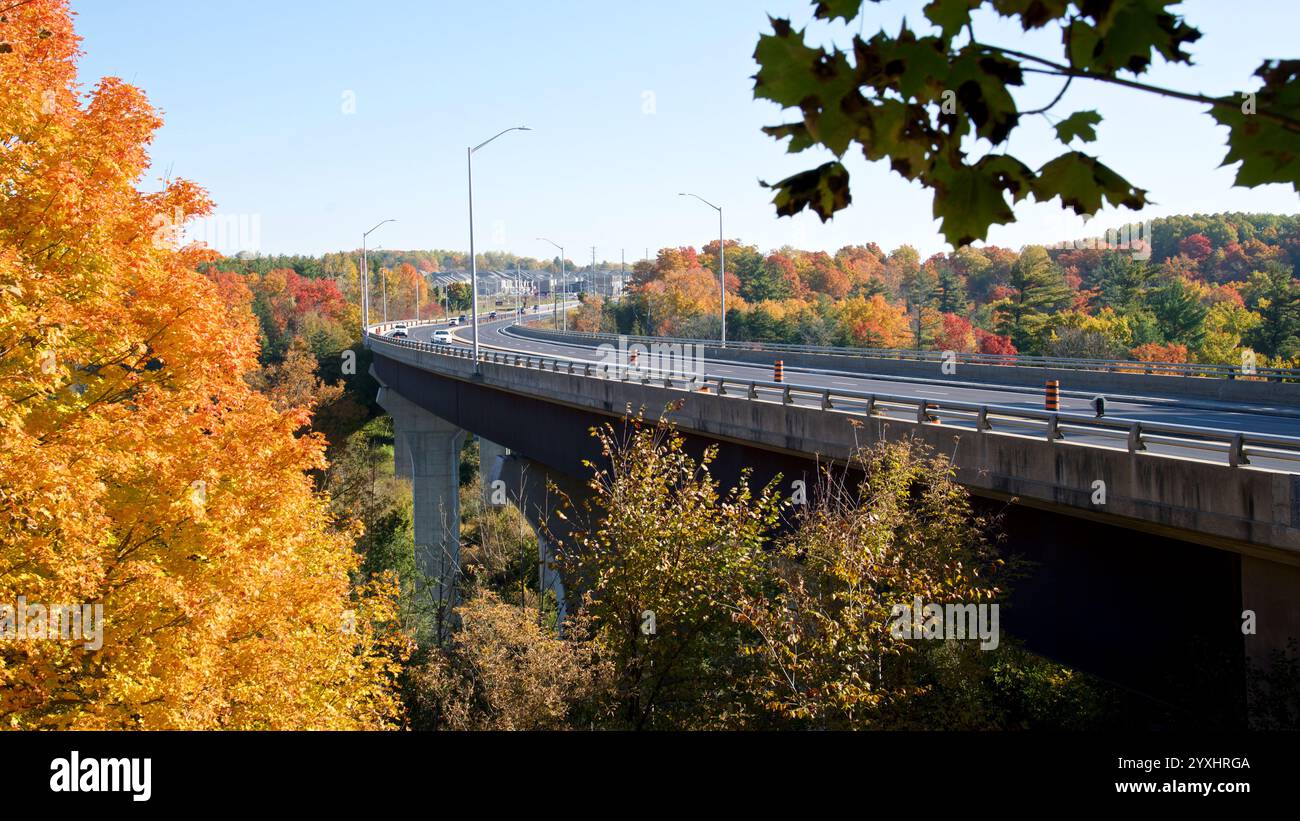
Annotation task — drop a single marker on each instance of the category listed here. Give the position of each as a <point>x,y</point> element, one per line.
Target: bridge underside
<point>1157,614</point>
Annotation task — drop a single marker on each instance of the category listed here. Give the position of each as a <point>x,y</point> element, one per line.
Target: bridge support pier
<point>427,450</point>
<point>491,456</point>
<point>549,575</point>
<point>1269,590</point>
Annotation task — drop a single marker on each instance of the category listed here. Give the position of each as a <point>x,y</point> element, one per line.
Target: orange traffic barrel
<point>778,371</point>
<point>1053,395</point>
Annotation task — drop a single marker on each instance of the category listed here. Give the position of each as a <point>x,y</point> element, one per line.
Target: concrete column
<point>1270,590</point>
<point>428,448</point>
<point>549,576</point>
<point>490,458</point>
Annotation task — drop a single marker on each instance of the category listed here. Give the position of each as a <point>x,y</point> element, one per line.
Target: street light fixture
<point>473,264</point>
<point>722,262</point>
<point>563,284</point>
<point>365,281</point>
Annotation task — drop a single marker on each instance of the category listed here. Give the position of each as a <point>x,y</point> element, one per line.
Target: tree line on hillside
<point>1212,287</point>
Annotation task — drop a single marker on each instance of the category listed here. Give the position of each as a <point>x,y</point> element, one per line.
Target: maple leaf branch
<point>1062,70</point>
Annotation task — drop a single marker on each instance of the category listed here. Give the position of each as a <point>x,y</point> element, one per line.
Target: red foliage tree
<point>1196,246</point>
<point>993,343</point>
<point>956,334</point>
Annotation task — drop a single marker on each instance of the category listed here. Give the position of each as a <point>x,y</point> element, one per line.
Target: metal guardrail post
<point>1054,428</point>
<point>1237,451</point>
<point>982,420</point>
<point>1135,442</point>
<point>753,391</point>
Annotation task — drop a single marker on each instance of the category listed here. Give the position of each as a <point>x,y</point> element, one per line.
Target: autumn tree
<point>1196,246</point>
<point>873,323</point>
<point>138,470</point>
<point>775,278</point>
<point>588,316</point>
<point>956,334</point>
<point>990,343</point>
<point>1227,324</point>
<point>501,670</point>
<point>904,532</point>
<point>669,552</point>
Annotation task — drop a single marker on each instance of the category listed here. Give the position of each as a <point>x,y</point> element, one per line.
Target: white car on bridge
<point>443,336</point>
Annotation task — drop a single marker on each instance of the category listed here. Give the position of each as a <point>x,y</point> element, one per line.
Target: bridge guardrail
<point>1235,447</point>
<point>1010,360</point>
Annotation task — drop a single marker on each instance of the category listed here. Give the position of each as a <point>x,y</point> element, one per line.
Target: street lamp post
<point>563,285</point>
<point>519,284</point>
<point>365,280</point>
<point>473,264</point>
<point>722,262</point>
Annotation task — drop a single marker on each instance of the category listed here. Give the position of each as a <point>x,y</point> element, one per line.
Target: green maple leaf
<point>950,15</point>
<point>967,199</point>
<point>1082,183</point>
<point>1081,124</point>
<point>824,190</point>
<point>981,82</point>
<point>900,132</point>
<point>1008,174</point>
<point>800,139</point>
<point>822,84</point>
<point>916,68</point>
<point>1032,13</point>
<point>843,9</point>
<point>1123,35</point>
<point>1269,151</point>
<point>786,64</point>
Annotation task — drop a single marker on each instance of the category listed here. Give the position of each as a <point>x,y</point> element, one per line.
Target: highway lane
<point>495,335</point>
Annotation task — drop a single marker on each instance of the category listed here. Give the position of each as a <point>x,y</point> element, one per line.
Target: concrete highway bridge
<point>1149,532</point>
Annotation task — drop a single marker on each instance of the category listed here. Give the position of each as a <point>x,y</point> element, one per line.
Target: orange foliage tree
<point>138,470</point>
<point>873,322</point>
<point>1156,352</point>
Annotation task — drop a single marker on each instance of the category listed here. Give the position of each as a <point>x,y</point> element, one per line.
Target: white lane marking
<point>933,393</point>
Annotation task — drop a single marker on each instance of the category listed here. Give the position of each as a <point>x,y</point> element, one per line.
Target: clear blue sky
<point>630,103</point>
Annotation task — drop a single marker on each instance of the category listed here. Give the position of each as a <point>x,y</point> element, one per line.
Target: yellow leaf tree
<point>138,470</point>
